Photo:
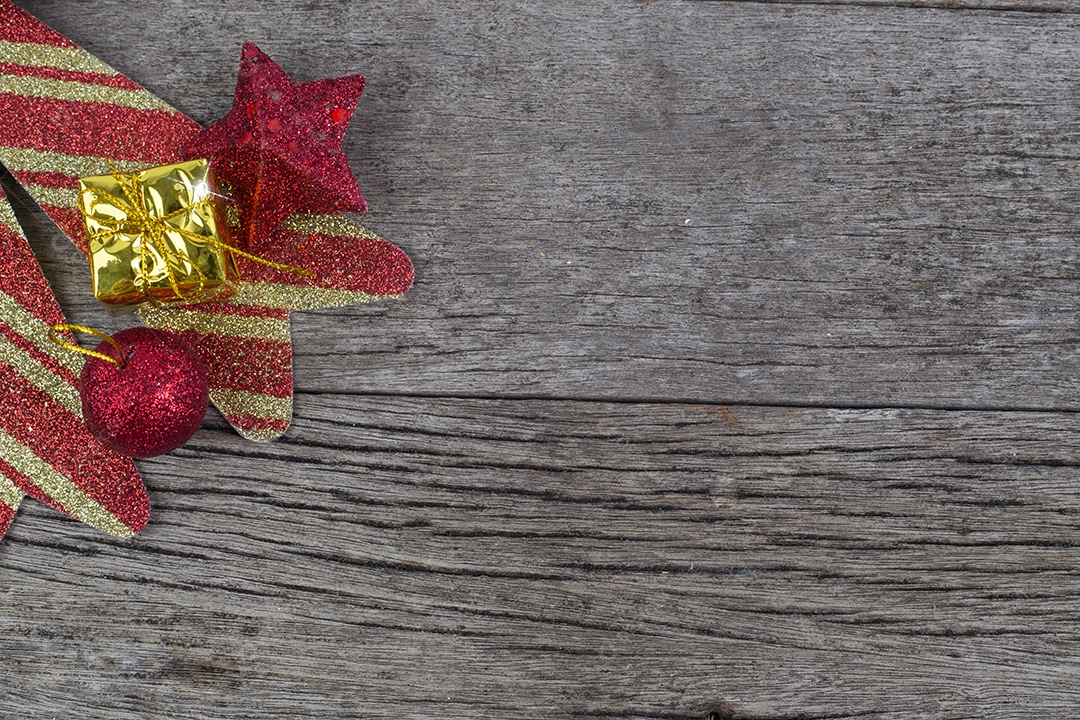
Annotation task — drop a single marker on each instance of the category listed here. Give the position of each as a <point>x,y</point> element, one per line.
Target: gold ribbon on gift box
<point>159,235</point>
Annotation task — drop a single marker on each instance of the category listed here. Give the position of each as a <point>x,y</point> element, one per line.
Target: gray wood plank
<point>422,558</point>
<point>1036,6</point>
<point>880,205</point>
<point>742,202</point>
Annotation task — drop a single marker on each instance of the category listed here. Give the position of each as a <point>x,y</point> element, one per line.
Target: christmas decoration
<point>280,146</point>
<point>144,392</point>
<point>46,449</point>
<point>157,235</point>
<point>65,115</point>
<point>125,176</point>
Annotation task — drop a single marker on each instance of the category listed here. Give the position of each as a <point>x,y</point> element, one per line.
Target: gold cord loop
<point>118,362</point>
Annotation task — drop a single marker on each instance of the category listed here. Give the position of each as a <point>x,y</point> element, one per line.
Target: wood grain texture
<point>732,202</point>
<point>1033,6</point>
<point>421,558</point>
<point>737,383</point>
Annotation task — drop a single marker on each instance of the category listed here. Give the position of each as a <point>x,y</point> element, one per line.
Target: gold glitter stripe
<point>10,494</point>
<point>18,159</point>
<point>7,217</point>
<point>215,324</point>
<point>242,402</point>
<point>42,378</point>
<point>259,434</point>
<point>54,197</point>
<point>272,295</point>
<point>23,322</point>
<point>34,55</point>
<point>64,492</point>
<point>335,225</point>
<point>80,92</point>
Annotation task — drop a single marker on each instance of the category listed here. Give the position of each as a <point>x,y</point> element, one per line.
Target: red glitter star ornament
<point>279,148</point>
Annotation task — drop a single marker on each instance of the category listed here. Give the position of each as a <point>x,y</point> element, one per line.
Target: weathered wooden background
<point>740,380</point>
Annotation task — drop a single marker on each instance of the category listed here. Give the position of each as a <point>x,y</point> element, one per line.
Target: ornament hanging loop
<point>55,337</point>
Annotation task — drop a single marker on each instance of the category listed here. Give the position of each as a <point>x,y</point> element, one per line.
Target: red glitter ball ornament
<point>154,403</point>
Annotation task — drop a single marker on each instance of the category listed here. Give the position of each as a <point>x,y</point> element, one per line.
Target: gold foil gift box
<point>158,236</point>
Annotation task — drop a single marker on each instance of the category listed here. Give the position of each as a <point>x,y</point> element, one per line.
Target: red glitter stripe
<point>362,265</point>
<point>256,365</point>
<point>238,310</point>
<point>17,25</point>
<point>28,346</point>
<point>64,442</point>
<point>7,514</point>
<point>87,128</point>
<point>49,73</point>
<point>21,278</point>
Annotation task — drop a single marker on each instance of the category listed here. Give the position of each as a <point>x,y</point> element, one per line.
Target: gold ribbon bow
<point>140,221</point>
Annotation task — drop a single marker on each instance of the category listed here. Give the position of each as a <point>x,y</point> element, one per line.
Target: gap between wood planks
<point>650,400</point>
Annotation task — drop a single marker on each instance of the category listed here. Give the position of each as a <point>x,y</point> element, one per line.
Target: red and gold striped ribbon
<point>46,450</point>
<point>64,114</point>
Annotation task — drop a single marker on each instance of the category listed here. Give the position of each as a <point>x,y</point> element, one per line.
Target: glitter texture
<point>87,116</point>
<point>46,450</point>
<point>63,493</point>
<point>62,89</point>
<point>71,59</point>
<point>280,145</point>
<point>154,403</point>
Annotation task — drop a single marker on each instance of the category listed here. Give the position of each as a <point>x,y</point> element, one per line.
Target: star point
<point>280,147</point>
